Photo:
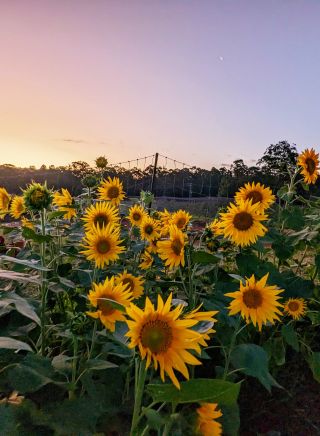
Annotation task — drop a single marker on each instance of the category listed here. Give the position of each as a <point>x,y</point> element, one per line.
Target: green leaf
<point>28,263</point>
<point>114,304</point>
<point>55,214</point>
<point>253,360</point>
<point>290,336</point>
<point>155,420</point>
<point>278,351</point>
<point>13,344</point>
<point>230,420</point>
<point>314,363</point>
<point>28,233</point>
<point>8,424</point>
<point>19,277</point>
<point>98,364</point>
<point>192,391</point>
<point>204,258</point>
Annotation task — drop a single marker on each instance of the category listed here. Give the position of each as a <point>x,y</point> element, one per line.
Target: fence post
<point>153,179</point>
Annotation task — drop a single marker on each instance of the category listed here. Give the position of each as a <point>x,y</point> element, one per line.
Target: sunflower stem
<point>140,373</point>
<point>43,289</point>
<point>237,330</point>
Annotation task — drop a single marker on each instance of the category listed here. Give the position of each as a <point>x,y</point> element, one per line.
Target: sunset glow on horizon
<point>202,82</point>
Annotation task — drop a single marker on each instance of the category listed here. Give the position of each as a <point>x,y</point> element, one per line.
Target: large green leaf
<point>19,277</point>
<point>13,344</point>
<point>290,336</point>
<point>28,263</point>
<point>28,233</point>
<point>204,258</point>
<point>195,390</point>
<point>314,363</point>
<point>253,360</point>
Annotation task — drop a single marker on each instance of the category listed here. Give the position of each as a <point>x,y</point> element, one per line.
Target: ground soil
<point>293,411</point>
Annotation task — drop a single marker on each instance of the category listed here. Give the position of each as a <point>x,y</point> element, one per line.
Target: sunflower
<point>164,337</point>
<point>102,245</point>
<point>308,160</point>
<point>149,229</point>
<point>180,219</point>
<point>27,223</point>
<point>215,227</point>
<point>133,284</point>
<point>100,214</point>
<point>256,301</point>
<point>63,200</point>
<point>242,223</point>
<point>136,215</point>
<point>4,200</point>
<point>111,190</point>
<point>206,420</point>
<point>152,247</point>
<point>207,321</point>
<point>165,219</point>
<point>17,207</point>
<point>147,261</point>
<point>172,250</point>
<point>107,313</point>
<point>257,193</point>
<point>296,307</point>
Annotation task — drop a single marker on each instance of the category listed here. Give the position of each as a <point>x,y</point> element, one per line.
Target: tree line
<point>272,169</point>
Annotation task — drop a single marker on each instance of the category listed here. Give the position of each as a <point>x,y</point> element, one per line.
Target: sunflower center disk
<point>136,216</point>
<point>101,220</point>
<point>113,192</point>
<point>105,307</point>
<point>129,282</point>
<point>156,335</point>
<point>243,221</point>
<point>252,298</point>
<point>176,246</point>
<point>255,196</point>
<point>103,246</point>
<point>181,223</point>
<point>148,229</point>
<point>293,306</point>
<point>311,166</point>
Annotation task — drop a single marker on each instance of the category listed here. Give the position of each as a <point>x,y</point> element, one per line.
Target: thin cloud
<point>76,141</point>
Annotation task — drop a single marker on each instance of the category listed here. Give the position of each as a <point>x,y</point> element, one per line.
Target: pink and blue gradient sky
<point>203,81</point>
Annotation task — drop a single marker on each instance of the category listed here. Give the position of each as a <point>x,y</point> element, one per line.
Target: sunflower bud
<point>37,197</point>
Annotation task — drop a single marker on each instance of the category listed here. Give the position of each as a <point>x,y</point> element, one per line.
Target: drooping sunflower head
<point>257,193</point>
<point>101,214</point>
<point>163,337</point>
<point>4,200</point>
<point>63,201</point>
<point>132,283</point>
<point>17,207</point>
<point>308,160</point>
<point>37,197</point>
<point>256,301</point>
<point>242,223</point>
<point>111,190</point>
<point>172,250</point>
<point>146,260</point>
<point>207,425</point>
<point>181,219</point>
<point>101,297</point>
<point>149,228</point>
<point>295,307</point>
<point>136,215</point>
<point>102,245</point>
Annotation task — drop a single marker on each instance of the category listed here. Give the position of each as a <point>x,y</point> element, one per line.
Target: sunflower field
<point>118,320</point>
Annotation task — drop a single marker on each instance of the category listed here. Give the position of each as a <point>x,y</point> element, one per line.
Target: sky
<point>202,81</point>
